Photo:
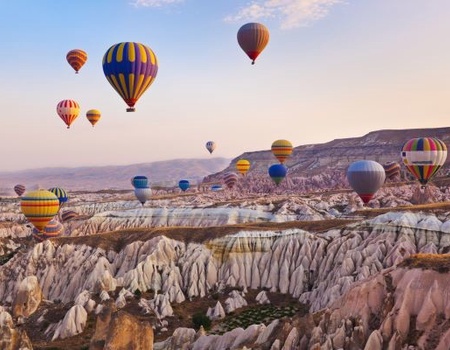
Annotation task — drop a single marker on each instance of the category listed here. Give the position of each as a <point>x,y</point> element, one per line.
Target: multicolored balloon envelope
<point>68,215</point>
<point>253,38</point>
<point>230,179</point>
<point>392,170</point>
<point>243,166</point>
<point>143,194</point>
<point>184,185</point>
<point>423,157</point>
<point>76,58</point>
<point>139,181</point>
<point>211,146</point>
<point>278,172</point>
<point>366,177</point>
<point>93,115</point>
<point>19,189</point>
<point>53,229</point>
<point>130,68</point>
<point>281,149</point>
<point>39,207</point>
<point>68,111</point>
<point>60,193</point>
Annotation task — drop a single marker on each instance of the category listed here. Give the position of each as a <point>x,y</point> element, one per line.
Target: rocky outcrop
<point>12,338</point>
<point>28,297</point>
<point>73,323</point>
<point>120,330</point>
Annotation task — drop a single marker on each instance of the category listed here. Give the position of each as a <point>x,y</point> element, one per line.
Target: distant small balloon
<point>53,229</point>
<point>366,177</point>
<point>139,181</point>
<point>143,194</point>
<point>184,185</point>
<point>68,111</point>
<point>392,170</point>
<point>76,58</point>
<point>282,149</point>
<point>253,38</point>
<point>243,166</point>
<point>211,146</point>
<point>93,115</point>
<point>230,179</point>
<point>278,172</point>
<point>19,189</point>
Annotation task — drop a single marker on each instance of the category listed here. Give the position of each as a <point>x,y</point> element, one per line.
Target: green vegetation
<point>200,319</point>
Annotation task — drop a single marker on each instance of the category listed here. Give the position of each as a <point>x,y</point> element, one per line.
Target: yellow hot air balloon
<point>93,115</point>
<point>242,165</point>
<point>39,207</point>
<point>281,149</point>
<point>76,58</point>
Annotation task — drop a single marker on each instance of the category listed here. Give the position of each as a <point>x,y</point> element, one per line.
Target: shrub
<point>200,319</point>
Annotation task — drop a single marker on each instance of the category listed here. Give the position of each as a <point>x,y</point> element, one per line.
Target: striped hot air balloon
<point>392,170</point>
<point>39,207</point>
<point>230,179</point>
<point>68,215</point>
<point>53,229</point>
<point>93,115</point>
<point>76,58</point>
<point>277,172</point>
<point>143,194</point>
<point>61,194</point>
<point>19,189</point>
<point>130,68</point>
<point>68,111</point>
<point>216,188</point>
<point>281,149</point>
<point>139,181</point>
<point>366,177</point>
<point>253,38</point>
<point>184,185</point>
<point>243,166</point>
<point>423,157</point>
<point>210,146</point>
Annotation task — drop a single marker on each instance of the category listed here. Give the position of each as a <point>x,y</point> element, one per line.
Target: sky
<point>332,69</point>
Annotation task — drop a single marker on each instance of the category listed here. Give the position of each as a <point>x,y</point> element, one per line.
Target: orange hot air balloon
<point>253,38</point>
<point>76,58</point>
<point>39,207</point>
<point>68,111</point>
<point>242,165</point>
<point>93,115</point>
<point>281,149</point>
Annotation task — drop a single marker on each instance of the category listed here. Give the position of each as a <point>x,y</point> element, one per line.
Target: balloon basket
<point>131,109</point>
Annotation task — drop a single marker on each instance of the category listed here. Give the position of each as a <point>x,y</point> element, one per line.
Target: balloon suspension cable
<point>131,109</point>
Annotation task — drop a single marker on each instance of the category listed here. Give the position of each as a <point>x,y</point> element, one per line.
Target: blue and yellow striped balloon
<point>39,207</point>
<point>60,193</point>
<point>130,68</point>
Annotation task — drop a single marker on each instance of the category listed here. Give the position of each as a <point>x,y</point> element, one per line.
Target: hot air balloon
<point>230,179</point>
<point>216,188</point>
<point>39,207</point>
<point>211,146</point>
<point>93,115</point>
<point>281,149</point>
<point>423,157</point>
<point>60,193</point>
<point>53,229</point>
<point>139,181</point>
<point>19,189</point>
<point>68,215</point>
<point>243,165</point>
<point>130,68</point>
<point>143,194</point>
<point>68,111</point>
<point>184,185</point>
<point>76,58</point>
<point>392,170</point>
<point>366,177</point>
<point>253,38</point>
<point>278,172</point>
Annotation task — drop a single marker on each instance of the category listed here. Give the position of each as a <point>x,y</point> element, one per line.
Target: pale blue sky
<point>332,69</point>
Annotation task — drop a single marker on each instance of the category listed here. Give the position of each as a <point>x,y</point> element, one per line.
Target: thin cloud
<point>154,3</point>
<point>291,13</point>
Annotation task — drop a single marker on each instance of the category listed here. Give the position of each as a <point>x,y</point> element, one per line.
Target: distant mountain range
<point>382,146</point>
<point>162,173</point>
